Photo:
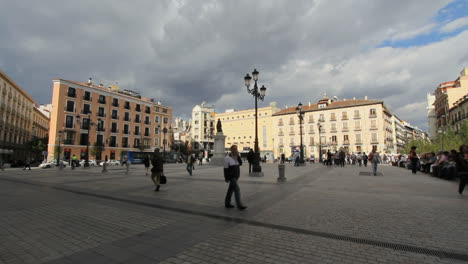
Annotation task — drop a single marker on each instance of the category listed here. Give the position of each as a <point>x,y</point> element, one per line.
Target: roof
<point>7,78</point>
<point>332,105</point>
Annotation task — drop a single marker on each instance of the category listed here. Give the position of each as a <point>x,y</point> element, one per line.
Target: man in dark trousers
<point>232,162</point>
<point>414,159</point>
<point>250,159</point>
<point>27,164</point>
<point>157,170</point>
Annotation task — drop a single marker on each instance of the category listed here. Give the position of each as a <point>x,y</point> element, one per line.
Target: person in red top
<point>414,159</point>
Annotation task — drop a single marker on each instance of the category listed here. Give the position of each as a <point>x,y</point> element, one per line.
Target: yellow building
<point>16,108</point>
<point>121,120</point>
<point>40,128</point>
<point>239,129</point>
<point>354,125</point>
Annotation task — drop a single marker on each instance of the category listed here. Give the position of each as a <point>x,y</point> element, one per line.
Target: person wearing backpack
<point>158,169</point>
<point>364,158</point>
<point>374,158</point>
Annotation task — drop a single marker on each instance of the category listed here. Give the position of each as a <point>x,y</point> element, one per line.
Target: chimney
<point>152,100</point>
<point>365,97</point>
<point>344,99</point>
<point>309,103</point>
<point>354,98</point>
<point>101,85</point>
<point>159,102</point>
<point>90,81</point>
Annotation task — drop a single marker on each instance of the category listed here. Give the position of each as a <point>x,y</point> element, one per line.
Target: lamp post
<point>258,94</point>
<point>78,119</point>
<point>164,130</point>
<point>300,114</point>
<point>320,141</point>
<point>58,150</point>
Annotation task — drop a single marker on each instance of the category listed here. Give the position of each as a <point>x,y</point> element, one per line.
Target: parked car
<point>110,162</point>
<point>52,164</point>
<point>90,162</point>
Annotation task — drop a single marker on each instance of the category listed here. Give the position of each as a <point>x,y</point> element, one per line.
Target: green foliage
<point>97,148</point>
<point>444,141</point>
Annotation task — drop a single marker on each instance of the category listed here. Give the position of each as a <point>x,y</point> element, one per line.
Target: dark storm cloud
<point>186,52</point>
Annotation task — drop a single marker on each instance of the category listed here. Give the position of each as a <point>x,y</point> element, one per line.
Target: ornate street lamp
<point>164,130</point>
<point>300,114</point>
<point>320,141</point>
<point>258,94</point>
<point>78,119</point>
<point>58,150</point>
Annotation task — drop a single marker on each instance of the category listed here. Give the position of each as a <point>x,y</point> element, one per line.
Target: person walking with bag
<point>147,164</point>
<point>232,163</point>
<point>374,158</point>
<point>414,159</point>
<point>190,161</point>
<point>157,170</point>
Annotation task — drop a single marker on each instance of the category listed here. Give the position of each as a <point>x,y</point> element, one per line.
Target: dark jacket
<point>250,156</point>
<point>157,163</point>
<point>147,162</point>
<point>232,171</point>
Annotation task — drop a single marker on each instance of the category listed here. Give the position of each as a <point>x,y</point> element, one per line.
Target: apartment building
<point>16,120</point>
<point>458,113</point>
<point>40,127</point>
<point>239,129</point>
<point>202,127</point>
<point>118,120</point>
<point>355,125</point>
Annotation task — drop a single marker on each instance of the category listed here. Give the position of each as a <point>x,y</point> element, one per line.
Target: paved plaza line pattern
<point>376,243</point>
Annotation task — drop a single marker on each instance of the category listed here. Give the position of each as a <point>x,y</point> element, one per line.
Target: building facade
<point>354,125</point>
<point>202,128</point>
<point>40,127</point>
<point>446,94</point>
<point>399,134</point>
<point>431,116</point>
<point>239,129</point>
<point>16,120</point>
<point>108,120</point>
<point>458,113</point>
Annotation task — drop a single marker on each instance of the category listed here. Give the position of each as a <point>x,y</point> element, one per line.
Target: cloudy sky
<point>185,52</point>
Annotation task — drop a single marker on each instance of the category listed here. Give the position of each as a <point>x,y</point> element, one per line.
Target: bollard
<point>281,170</point>
<point>104,167</point>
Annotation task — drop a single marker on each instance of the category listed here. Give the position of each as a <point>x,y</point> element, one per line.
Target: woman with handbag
<point>414,159</point>
<point>157,170</point>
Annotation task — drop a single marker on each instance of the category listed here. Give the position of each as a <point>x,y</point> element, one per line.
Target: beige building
<point>40,128</point>
<point>239,129</point>
<point>121,120</point>
<point>16,120</point>
<point>354,125</point>
<point>446,94</point>
<point>202,127</point>
<point>458,113</point>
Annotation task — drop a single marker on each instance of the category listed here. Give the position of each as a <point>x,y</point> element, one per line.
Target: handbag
<point>163,179</point>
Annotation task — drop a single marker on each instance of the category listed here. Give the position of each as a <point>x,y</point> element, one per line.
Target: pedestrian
<point>157,170</point>
<point>329,158</point>
<point>146,161</point>
<point>251,158</point>
<point>74,160</point>
<point>1,164</point>
<point>462,167</point>
<point>190,161</point>
<point>342,158</point>
<point>104,165</point>
<point>364,158</point>
<point>359,158</point>
<point>283,158</point>
<point>200,159</point>
<point>296,158</point>
<point>27,164</point>
<point>414,159</point>
<point>127,164</point>
<point>374,158</point>
<point>232,163</point>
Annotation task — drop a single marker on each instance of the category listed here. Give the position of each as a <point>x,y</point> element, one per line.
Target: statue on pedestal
<point>219,127</point>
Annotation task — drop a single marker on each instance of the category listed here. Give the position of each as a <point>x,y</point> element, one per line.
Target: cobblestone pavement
<point>320,215</point>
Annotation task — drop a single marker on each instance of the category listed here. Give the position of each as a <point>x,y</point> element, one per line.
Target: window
<point>127,105</point>
<point>291,141</point>
<point>373,113</point>
<point>101,112</point>
<point>85,123</point>
<point>156,119</point>
<point>70,106</point>
<point>83,139</point>
<point>334,139</point>
<point>69,121</point>
<point>157,109</point>
<point>311,141</point>
<point>87,96</point>
<point>358,138</point>
<point>346,139</point>
<point>126,116</point>
<point>125,142</point>
<point>311,119</point>
<point>321,118</point>
<point>114,114</point>
<point>136,142</point>
<point>344,115</point>
<point>147,110</point>
<point>164,110</point>
<point>156,130</point>
<point>71,92</point>
<point>264,136</point>
<point>166,120</point>
<point>147,121</point>
<point>333,127</point>
<point>100,125</point>
<point>114,128</point>
<point>115,102</point>
<point>356,114</point>
<point>345,125</point>
<point>137,130</point>
<point>357,125</point>
<point>146,131</point>
<point>138,108</point>
<point>125,130</point>
<point>137,119</point>
<point>86,109</point>
<point>374,138</point>
<point>332,117</point>
<point>112,141</point>
<point>102,99</point>
<point>291,121</point>
<point>373,124</point>
<point>311,129</point>
<point>156,141</point>
<point>99,139</point>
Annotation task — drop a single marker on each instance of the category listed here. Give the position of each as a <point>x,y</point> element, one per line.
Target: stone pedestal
<point>281,172</point>
<point>219,152</point>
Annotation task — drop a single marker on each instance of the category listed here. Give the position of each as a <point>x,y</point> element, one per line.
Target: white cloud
<point>454,25</point>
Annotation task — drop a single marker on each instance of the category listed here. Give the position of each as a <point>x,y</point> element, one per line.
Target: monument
<point>219,152</point>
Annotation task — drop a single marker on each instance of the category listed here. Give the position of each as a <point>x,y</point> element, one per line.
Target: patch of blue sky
<point>451,12</point>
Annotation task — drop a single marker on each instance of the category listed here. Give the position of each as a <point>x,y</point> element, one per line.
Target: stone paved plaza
<point>320,215</point>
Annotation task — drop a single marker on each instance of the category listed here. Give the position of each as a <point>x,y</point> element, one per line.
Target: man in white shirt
<point>232,162</point>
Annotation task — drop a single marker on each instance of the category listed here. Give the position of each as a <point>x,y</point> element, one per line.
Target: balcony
<point>137,133</point>
<point>333,131</point>
<point>358,141</point>
<point>115,117</point>
<point>280,134</point>
<point>87,98</point>
<point>147,111</point>
<point>345,130</point>
<point>322,120</point>
<point>291,123</point>
<point>346,142</point>
<point>372,116</point>
<point>128,119</point>
<point>311,132</point>
<point>68,142</point>
<point>138,109</point>
<point>114,131</point>
<point>374,141</point>
<point>280,124</point>
<point>344,118</point>
<point>115,104</point>
<point>71,94</point>
<point>292,133</point>
<point>137,121</point>
<point>357,117</point>
<point>101,129</point>
<point>373,128</point>
<point>357,129</point>
<point>102,101</point>
<point>113,144</point>
<point>125,145</point>
<point>127,107</point>
<point>147,122</point>
<point>126,132</point>
<point>146,134</point>
<point>84,112</point>
<point>311,121</point>
<point>333,119</point>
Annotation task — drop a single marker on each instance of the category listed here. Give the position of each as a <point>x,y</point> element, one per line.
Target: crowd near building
<point>85,115</point>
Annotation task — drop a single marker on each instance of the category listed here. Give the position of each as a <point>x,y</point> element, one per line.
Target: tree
<point>97,149</point>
